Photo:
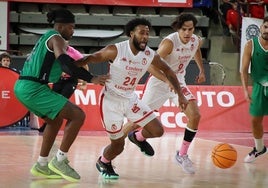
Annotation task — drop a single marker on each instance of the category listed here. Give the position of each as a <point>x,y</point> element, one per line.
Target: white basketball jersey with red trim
<point>127,69</point>
<point>181,54</point>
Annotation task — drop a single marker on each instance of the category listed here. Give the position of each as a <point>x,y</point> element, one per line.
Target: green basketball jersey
<point>41,62</point>
<point>259,63</point>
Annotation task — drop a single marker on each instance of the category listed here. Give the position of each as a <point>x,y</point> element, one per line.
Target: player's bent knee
<point>80,114</point>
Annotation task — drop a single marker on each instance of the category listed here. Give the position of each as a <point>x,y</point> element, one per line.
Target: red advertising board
<point>11,110</point>
<point>151,3</point>
<point>223,108</point>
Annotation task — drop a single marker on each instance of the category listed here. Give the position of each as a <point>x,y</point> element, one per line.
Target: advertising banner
<point>11,110</point>
<point>223,108</point>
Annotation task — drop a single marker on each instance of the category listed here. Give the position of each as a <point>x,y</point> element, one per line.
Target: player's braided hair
<point>60,16</point>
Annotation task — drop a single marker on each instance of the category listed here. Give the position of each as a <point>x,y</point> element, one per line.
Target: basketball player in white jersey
<point>178,49</point>
<point>129,61</point>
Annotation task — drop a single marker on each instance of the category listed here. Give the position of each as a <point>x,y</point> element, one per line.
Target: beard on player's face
<point>140,46</point>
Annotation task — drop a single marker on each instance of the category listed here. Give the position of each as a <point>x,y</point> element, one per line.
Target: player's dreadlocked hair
<point>60,16</point>
<point>132,24</point>
<point>183,17</point>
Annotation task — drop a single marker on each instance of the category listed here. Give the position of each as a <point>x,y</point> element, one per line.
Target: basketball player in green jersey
<point>256,52</point>
<point>44,65</point>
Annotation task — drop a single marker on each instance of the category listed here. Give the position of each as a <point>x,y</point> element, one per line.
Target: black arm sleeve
<point>70,68</point>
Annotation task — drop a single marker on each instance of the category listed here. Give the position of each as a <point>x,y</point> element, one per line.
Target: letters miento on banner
<point>222,108</point>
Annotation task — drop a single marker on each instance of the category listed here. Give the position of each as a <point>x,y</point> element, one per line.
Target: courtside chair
<point>146,12</point>
<point>77,9</point>
<point>99,10</point>
<point>198,32</point>
<point>25,49</point>
<point>47,7</point>
<point>153,33</point>
<point>165,31</point>
<point>28,8</point>
<point>170,12</point>
<point>123,11</point>
<point>194,11</point>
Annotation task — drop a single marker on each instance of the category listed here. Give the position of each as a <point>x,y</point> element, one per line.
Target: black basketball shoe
<point>106,170</point>
<point>144,146</point>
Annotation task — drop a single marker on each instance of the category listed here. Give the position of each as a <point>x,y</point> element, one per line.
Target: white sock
<point>61,155</point>
<point>43,161</point>
<point>259,144</point>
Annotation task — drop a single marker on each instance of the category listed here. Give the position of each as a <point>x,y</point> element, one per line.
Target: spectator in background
<point>257,8</point>
<point>234,17</point>
<point>5,59</point>
<point>224,7</point>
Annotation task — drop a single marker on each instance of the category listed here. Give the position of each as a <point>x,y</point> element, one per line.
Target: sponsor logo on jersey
<point>144,61</point>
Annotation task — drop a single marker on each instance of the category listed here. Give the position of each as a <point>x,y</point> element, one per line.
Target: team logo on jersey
<point>135,108</point>
<point>147,52</point>
<point>252,31</point>
<point>114,127</point>
<point>192,39</point>
<point>144,61</point>
<point>192,47</point>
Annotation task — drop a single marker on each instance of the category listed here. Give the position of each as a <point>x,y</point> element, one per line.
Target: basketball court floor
<point>20,149</point>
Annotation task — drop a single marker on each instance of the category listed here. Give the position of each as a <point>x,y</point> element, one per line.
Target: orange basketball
<point>224,155</point>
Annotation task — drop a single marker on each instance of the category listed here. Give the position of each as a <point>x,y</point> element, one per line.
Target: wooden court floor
<point>20,149</point>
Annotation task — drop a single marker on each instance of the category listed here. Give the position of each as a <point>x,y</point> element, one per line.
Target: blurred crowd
<point>232,12</point>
